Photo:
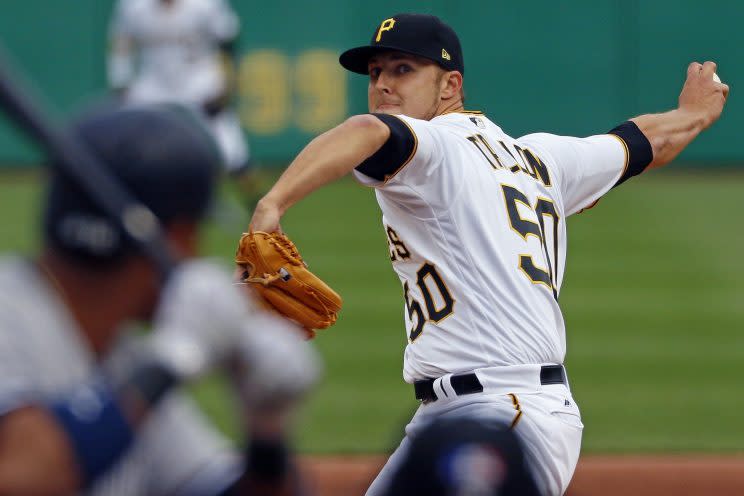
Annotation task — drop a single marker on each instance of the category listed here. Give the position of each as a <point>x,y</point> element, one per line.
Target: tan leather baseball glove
<point>271,263</point>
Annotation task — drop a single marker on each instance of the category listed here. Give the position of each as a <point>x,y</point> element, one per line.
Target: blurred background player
<point>86,406</point>
<point>180,51</point>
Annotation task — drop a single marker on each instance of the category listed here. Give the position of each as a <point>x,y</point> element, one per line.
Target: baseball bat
<point>77,162</point>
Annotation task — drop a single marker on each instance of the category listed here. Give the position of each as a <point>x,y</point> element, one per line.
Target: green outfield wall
<point>577,67</point>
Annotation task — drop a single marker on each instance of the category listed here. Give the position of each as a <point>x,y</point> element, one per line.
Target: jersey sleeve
<point>587,168</point>
<point>412,162</point>
<point>410,143</point>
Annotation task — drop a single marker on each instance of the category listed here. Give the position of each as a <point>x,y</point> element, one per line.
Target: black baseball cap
<point>418,34</point>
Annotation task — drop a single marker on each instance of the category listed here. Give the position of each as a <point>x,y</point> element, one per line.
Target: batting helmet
<point>161,155</point>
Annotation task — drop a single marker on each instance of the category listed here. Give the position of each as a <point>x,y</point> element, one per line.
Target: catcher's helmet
<point>161,155</point>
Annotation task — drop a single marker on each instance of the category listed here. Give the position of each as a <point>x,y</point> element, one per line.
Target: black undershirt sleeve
<point>639,149</point>
<point>394,154</point>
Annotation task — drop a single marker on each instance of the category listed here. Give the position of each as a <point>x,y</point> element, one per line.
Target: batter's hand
<point>701,95</point>
<point>266,217</point>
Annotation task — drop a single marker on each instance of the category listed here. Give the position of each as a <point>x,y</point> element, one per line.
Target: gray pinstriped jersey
<point>42,356</point>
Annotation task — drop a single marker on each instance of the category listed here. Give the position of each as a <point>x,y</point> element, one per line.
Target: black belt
<point>469,383</point>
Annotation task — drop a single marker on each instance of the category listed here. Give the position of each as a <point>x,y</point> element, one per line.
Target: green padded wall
<point>576,67</point>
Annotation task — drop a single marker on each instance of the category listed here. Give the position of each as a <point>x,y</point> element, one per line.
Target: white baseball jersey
<point>476,224</point>
<point>42,355</point>
<point>177,45</point>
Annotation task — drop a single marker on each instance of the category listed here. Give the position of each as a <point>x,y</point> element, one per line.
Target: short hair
<point>161,155</point>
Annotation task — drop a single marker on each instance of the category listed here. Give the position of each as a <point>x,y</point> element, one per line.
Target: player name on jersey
<point>529,163</point>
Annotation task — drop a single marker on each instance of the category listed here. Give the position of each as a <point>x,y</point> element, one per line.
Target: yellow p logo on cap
<point>386,25</point>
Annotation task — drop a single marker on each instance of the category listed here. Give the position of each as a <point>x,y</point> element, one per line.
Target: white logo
<point>88,231</point>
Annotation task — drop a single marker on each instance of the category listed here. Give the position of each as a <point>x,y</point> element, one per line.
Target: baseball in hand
<point>716,78</point>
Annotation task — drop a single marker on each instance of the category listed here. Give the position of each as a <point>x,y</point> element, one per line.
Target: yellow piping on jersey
<point>625,168</point>
<point>518,408</point>
<point>475,112</point>
<point>627,153</point>
<point>388,177</point>
<point>590,206</point>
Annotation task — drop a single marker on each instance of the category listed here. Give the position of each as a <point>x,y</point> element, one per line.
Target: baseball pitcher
<point>476,226</point>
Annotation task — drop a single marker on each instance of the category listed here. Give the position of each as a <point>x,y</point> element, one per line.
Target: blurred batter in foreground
<point>88,407</point>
